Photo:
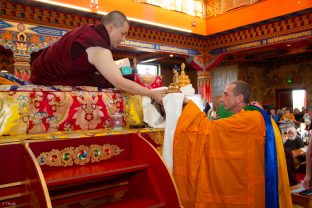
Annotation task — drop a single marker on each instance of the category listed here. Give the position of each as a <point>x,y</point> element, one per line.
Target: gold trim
<point>81,155</point>
<point>157,137</point>
<point>75,134</point>
<point>13,196</point>
<point>41,177</point>
<point>9,141</point>
<point>7,185</point>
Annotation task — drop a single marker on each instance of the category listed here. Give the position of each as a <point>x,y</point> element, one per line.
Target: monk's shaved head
<point>115,17</point>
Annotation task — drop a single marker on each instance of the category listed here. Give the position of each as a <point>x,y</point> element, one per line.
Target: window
<point>290,98</point>
<point>190,7</point>
<point>299,99</point>
<point>146,69</point>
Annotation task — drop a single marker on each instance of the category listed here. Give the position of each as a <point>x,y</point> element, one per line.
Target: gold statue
<point>174,86</point>
<point>175,77</point>
<point>183,78</point>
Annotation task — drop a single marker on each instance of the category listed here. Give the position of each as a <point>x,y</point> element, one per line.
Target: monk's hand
<point>306,181</point>
<point>185,100</point>
<point>256,103</point>
<point>157,95</point>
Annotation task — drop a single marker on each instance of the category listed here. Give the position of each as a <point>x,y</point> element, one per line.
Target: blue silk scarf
<point>270,158</point>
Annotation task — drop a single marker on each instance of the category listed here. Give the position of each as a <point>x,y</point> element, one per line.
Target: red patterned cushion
<point>29,109</point>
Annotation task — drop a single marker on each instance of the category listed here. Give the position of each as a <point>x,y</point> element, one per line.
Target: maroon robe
<point>65,62</point>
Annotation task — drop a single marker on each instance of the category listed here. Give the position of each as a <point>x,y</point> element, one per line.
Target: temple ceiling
<point>292,48</point>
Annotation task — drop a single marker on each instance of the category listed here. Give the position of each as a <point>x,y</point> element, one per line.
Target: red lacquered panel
<point>86,173</point>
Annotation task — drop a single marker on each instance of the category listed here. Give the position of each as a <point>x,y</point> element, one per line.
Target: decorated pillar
<point>203,84</point>
<point>17,42</point>
<point>204,63</point>
<point>22,40</point>
<point>21,54</point>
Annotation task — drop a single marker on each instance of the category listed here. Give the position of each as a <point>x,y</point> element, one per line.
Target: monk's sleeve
<point>188,149</point>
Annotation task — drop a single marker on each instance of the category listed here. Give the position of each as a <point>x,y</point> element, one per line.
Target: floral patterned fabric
<point>32,109</point>
<point>133,111</point>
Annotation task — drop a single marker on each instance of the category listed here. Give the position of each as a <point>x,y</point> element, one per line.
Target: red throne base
<point>122,170</point>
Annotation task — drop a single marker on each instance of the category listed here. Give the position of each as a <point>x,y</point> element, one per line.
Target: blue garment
<point>271,172</point>
<point>277,117</point>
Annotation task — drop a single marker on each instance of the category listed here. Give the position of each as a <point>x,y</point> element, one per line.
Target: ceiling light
<point>159,25</point>
<point>65,5</point>
<point>104,13</point>
<point>151,23</point>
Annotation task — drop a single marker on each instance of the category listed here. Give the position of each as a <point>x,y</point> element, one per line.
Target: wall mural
<point>22,40</point>
<point>216,7</point>
<point>190,7</point>
<point>265,81</point>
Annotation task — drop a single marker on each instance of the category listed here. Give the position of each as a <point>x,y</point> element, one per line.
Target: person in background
<point>278,115</point>
<point>307,181</point>
<point>291,167</point>
<point>82,57</point>
<point>230,162</point>
<point>287,120</point>
<point>273,115</point>
<point>307,117</point>
<point>223,113</point>
<point>272,112</point>
<point>294,155</point>
<point>288,116</point>
<point>298,117</point>
<point>293,142</point>
<point>302,112</point>
<point>207,107</point>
